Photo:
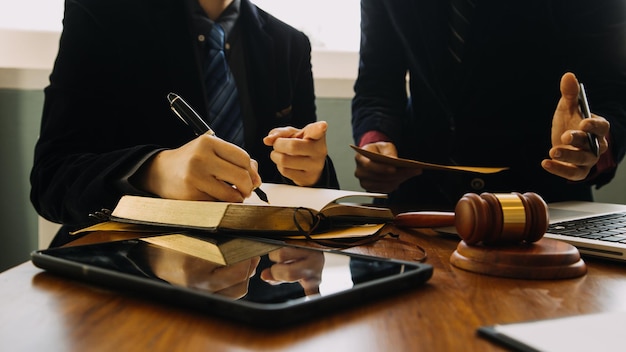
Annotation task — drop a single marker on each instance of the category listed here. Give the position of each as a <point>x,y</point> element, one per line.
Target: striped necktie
<point>461,12</point>
<point>224,110</point>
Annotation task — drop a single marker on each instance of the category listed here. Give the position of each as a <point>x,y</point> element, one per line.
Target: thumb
<point>315,130</point>
<point>388,149</point>
<point>569,88</point>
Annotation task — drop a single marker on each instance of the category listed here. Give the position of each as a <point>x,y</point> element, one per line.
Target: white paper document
<point>591,332</point>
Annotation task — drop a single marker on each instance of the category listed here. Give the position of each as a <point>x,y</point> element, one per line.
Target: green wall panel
<point>20,114</point>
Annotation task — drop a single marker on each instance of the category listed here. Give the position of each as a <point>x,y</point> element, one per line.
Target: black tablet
<point>259,283</point>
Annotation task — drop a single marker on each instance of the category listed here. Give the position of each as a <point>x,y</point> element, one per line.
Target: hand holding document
<point>399,162</point>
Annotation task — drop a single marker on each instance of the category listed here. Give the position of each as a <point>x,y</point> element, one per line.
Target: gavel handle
<point>424,219</point>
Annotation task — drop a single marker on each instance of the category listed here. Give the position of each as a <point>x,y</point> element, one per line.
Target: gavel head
<point>496,218</point>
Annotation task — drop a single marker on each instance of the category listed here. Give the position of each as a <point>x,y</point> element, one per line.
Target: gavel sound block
<point>503,236</point>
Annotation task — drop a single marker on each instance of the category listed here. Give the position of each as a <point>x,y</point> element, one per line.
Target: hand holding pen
<point>190,117</point>
<point>578,138</point>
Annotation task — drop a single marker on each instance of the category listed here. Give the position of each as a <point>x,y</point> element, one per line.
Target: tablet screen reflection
<point>279,275</point>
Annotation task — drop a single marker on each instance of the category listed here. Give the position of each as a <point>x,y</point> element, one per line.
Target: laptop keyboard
<point>610,228</point>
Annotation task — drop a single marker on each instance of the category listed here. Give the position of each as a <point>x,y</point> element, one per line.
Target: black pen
<point>191,118</point>
<point>584,108</point>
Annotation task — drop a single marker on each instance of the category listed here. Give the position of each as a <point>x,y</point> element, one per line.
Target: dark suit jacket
<point>106,109</point>
<point>496,108</point>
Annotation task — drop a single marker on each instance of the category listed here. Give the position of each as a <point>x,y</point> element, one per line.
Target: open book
<point>292,210</point>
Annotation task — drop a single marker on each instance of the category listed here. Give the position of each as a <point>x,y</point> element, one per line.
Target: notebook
<point>581,224</point>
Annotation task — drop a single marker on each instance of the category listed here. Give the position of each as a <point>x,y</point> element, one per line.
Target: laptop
<point>596,229</point>
<point>263,284</point>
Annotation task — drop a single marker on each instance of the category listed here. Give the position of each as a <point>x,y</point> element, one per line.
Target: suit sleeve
<point>380,90</point>
<point>598,58</point>
<point>87,141</point>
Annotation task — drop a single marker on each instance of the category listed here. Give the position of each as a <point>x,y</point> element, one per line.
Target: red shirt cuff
<point>605,163</point>
<point>373,137</point>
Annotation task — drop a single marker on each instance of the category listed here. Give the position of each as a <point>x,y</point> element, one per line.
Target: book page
<point>312,198</point>
<point>161,211</point>
<point>399,162</point>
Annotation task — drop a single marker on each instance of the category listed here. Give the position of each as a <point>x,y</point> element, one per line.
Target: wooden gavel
<point>492,218</point>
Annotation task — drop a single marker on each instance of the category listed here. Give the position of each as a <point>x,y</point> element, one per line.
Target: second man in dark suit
<point>489,86</point>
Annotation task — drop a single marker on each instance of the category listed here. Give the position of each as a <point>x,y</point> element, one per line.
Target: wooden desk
<point>45,312</point>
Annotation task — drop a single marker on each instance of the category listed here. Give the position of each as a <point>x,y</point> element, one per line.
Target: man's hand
<point>377,177</point>
<point>571,156</point>
<point>299,154</point>
<point>207,168</point>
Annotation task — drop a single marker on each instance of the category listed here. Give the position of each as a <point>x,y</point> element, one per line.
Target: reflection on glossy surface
<point>184,270</point>
<point>279,276</point>
<point>295,265</point>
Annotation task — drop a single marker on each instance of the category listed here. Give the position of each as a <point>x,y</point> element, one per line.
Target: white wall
<point>31,15</point>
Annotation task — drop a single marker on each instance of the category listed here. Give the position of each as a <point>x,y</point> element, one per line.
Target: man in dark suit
<point>107,128</point>
<point>484,91</point>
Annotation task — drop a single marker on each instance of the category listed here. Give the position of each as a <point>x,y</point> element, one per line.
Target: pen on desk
<point>190,117</point>
<point>583,103</point>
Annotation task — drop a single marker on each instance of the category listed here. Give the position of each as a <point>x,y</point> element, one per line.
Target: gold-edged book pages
<point>292,212</point>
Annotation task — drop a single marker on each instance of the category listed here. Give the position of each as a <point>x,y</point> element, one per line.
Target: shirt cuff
<point>605,164</point>
<point>373,137</point>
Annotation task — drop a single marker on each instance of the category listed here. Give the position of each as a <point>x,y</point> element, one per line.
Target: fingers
<point>385,148</point>
<point>226,162</point>
<point>573,158</point>
<point>367,165</point>
<point>293,264</point>
<point>315,131</point>
<point>299,154</point>
<point>300,160</point>
<point>233,280</point>
<point>384,182</point>
<point>256,178</point>
<point>379,177</point>
<point>206,168</point>
<point>567,171</point>
<point>281,132</point>
<point>599,127</point>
